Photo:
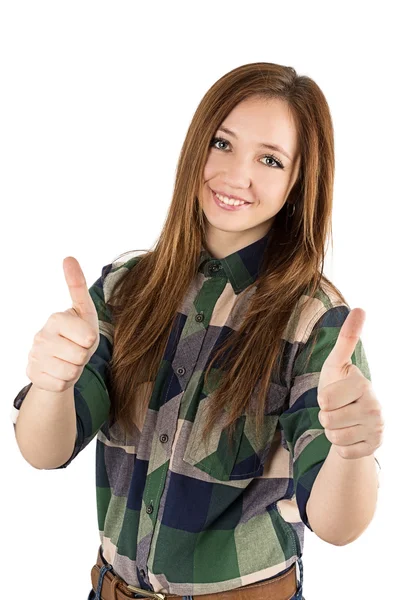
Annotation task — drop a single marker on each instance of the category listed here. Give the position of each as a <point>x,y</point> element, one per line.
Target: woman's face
<point>238,164</point>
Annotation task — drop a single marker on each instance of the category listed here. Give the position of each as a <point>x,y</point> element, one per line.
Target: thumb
<point>82,303</point>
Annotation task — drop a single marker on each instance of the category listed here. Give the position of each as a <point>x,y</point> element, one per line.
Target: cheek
<point>212,166</point>
<point>208,172</point>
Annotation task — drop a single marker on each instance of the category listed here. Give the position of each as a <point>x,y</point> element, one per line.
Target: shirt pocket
<point>244,458</point>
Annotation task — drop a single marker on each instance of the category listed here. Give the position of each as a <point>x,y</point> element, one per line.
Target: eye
<point>217,140</point>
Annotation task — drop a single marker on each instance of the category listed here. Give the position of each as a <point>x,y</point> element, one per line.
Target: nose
<point>236,178</point>
<point>238,174</point>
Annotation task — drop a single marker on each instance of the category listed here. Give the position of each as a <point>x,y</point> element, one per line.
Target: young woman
<point>202,384</point>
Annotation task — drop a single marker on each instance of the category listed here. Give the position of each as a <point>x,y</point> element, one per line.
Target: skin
<point>241,167</point>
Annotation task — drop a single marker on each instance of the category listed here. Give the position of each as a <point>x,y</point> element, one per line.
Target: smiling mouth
<point>231,197</point>
<point>229,207</point>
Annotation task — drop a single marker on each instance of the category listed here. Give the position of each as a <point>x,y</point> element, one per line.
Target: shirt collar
<point>241,267</point>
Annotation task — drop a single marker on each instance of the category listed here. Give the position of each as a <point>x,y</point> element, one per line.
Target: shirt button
<point>181,371</point>
<point>163,438</point>
<point>199,318</point>
<point>214,268</point>
<point>149,509</point>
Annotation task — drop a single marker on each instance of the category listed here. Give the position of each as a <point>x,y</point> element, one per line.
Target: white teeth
<point>230,201</point>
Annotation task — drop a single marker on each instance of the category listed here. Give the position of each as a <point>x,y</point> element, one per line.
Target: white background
<point>95,101</point>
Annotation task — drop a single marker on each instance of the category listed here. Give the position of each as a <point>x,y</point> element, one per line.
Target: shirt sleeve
<point>91,395</point>
<point>304,434</point>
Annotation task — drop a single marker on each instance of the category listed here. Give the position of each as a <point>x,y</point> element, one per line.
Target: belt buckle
<point>146,593</point>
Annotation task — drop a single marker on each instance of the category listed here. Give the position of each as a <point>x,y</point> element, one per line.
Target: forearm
<point>343,498</point>
<point>46,427</point>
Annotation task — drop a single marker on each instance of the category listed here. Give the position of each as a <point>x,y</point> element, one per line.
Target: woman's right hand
<point>65,344</point>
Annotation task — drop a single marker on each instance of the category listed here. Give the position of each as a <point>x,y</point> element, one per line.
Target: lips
<point>227,207</point>
<point>231,196</point>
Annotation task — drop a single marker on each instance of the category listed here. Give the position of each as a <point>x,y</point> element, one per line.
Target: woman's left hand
<point>350,411</point>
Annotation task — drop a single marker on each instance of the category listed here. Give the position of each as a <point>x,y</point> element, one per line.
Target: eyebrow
<point>262,145</point>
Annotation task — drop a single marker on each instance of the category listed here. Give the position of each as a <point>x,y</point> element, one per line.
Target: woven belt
<point>114,587</point>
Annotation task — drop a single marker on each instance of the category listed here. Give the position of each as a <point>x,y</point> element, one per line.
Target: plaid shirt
<point>173,517</point>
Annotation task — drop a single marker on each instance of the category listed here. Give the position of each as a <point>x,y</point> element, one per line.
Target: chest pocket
<point>243,459</point>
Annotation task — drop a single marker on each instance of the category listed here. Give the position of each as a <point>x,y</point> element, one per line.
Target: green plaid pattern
<point>173,516</point>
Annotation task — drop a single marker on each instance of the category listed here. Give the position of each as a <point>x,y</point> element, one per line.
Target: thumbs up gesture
<point>82,304</point>
<point>350,412</point>
<point>67,341</point>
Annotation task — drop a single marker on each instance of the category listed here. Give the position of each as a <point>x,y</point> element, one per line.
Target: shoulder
<point>325,309</point>
<point>117,269</point>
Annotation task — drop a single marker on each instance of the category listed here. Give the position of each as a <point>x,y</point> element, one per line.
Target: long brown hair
<point>145,301</point>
